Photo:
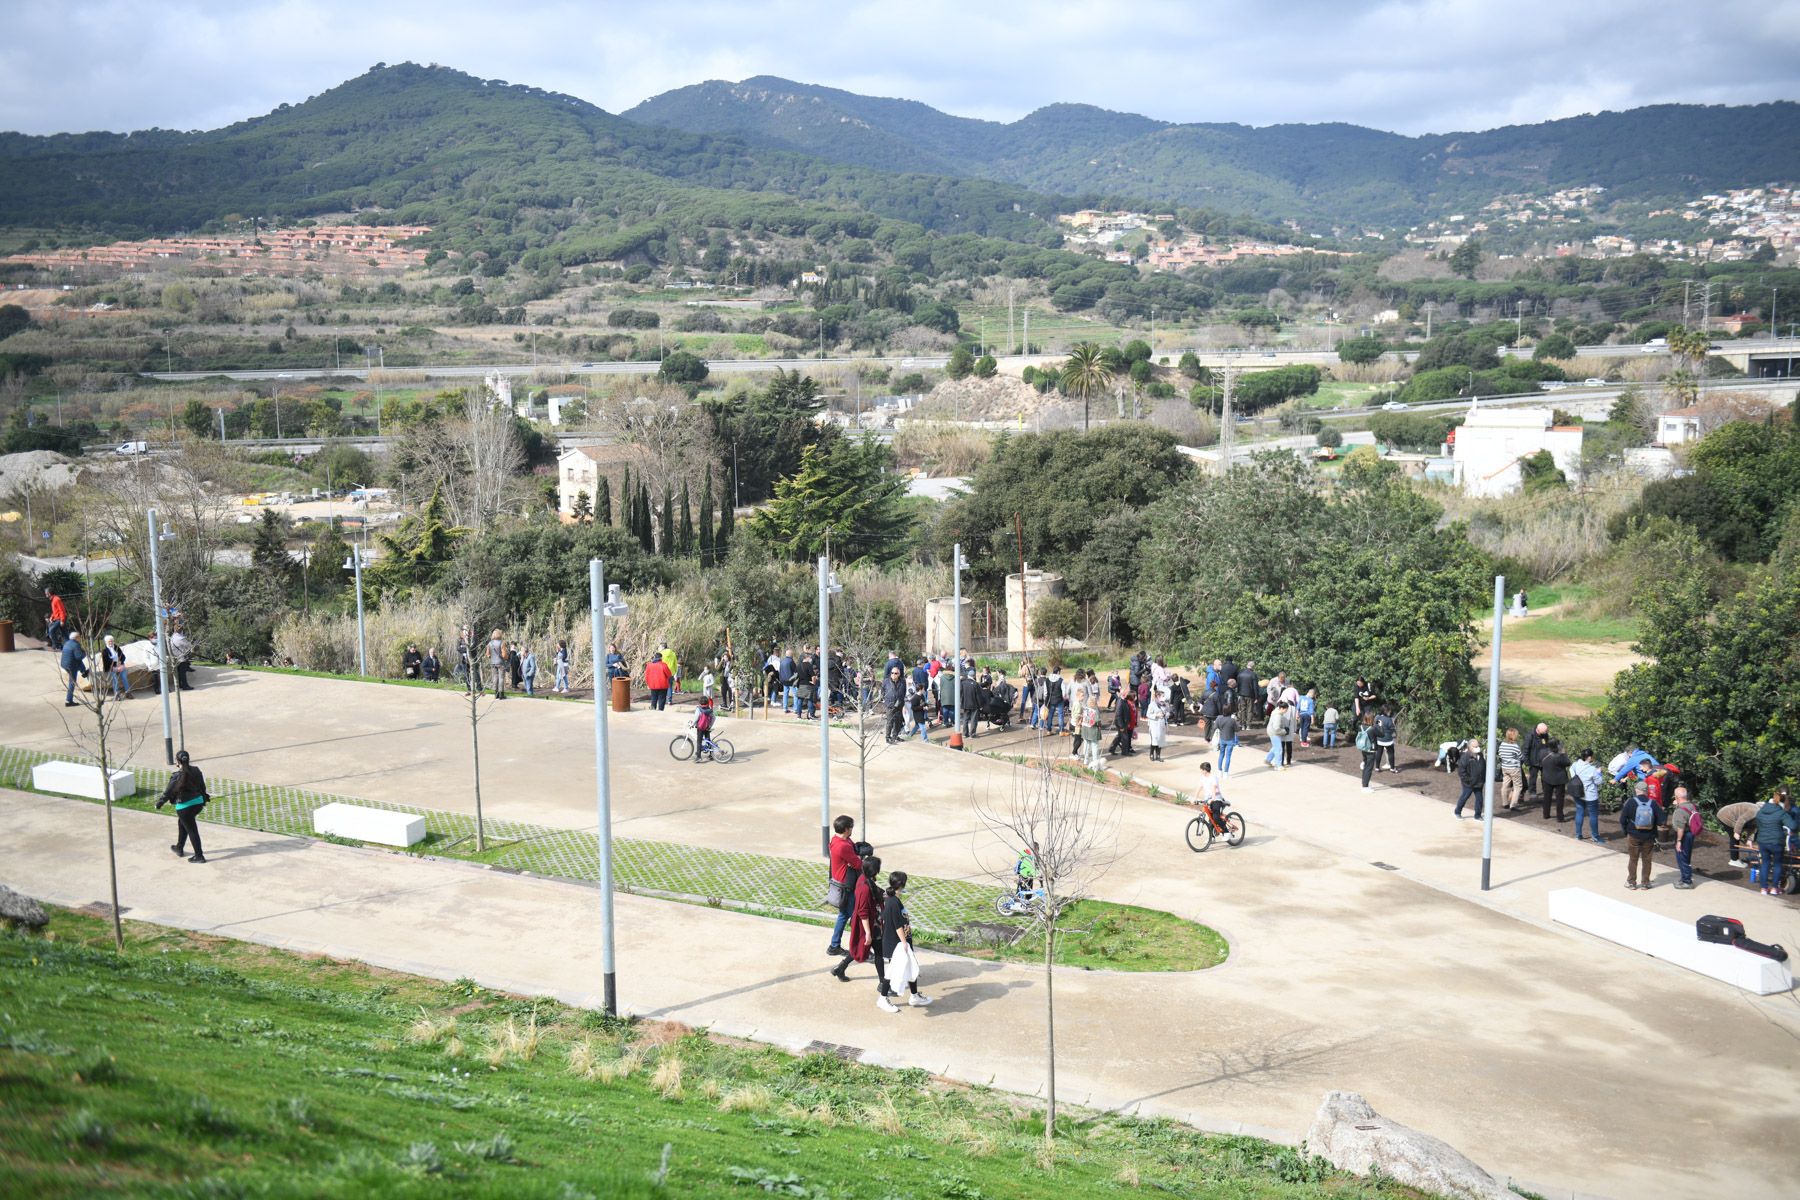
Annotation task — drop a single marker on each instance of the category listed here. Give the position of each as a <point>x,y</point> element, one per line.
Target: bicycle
<point>1215,819</point>
<point>1021,902</point>
<point>681,748</point>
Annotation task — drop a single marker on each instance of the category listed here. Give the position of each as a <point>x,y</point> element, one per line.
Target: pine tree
<point>722,542</point>
<point>684,541</point>
<point>603,503</point>
<point>706,523</point>
<point>268,551</point>
<point>582,510</point>
<point>665,539</point>
<point>646,534</point>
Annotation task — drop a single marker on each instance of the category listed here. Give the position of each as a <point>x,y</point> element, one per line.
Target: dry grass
<point>327,642</point>
<point>884,1118</point>
<point>666,1079</point>
<point>455,1048</point>
<point>752,1097</point>
<point>428,1030</point>
<point>942,449</point>
<point>1127,1176</point>
<point>1382,370</point>
<point>1550,534</point>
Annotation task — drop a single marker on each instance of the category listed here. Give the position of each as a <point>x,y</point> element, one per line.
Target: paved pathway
<point>1528,1046</point>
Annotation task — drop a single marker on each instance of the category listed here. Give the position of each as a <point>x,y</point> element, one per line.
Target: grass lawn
<point>195,1066</point>
<point>1573,629</point>
<point>1102,935</point>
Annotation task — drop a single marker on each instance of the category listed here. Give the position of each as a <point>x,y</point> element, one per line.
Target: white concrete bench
<point>1670,940</point>
<point>369,824</point>
<point>80,779</point>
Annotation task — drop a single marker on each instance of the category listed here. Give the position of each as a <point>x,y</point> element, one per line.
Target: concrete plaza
<point>1363,955</point>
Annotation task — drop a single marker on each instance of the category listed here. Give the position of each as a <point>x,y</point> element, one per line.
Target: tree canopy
<point>845,492</point>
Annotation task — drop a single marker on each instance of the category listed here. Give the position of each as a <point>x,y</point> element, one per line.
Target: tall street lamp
<point>959,564</point>
<point>614,607</point>
<point>828,587</point>
<point>355,563</point>
<point>162,633</point>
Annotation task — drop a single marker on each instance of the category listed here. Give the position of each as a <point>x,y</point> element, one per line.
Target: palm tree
<point>1689,346</point>
<point>1085,375</point>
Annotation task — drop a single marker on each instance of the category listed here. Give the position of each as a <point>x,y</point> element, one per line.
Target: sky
<point>1411,66</point>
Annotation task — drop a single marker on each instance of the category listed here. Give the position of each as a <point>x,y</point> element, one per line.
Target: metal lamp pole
<point>599,610</point>
<point>828,587</point>
<point>1492,748</point>
<point>355,563</point>
<point>162,639</point>
<point>959,564</point>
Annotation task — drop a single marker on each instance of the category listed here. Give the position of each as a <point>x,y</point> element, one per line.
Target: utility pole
<point>1706,307</point>
<point>162,639</point>
<point>355,563</point>
<point>1025,341</point>
<point>1226,437</point>
<point>1430,307</point>
<point>1012,346</point>
<point>1153,333</point>
<point>1519,322</point>
<point>1687,286</point>
<point>828,587</point>
<point>598,612</point>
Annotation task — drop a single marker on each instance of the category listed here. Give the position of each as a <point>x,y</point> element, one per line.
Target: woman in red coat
<point>865,924</point>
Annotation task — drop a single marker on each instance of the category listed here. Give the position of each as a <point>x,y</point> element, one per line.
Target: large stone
<point>19,911</point>
<point>1349,1135</point>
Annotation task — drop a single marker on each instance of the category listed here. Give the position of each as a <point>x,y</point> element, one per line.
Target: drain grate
<point>848,1053</point>
<point>1385,866</point>
<point>101,908</point>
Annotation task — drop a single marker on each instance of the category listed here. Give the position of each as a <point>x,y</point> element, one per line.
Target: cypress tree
<point>722,543</point>
<point>603,503</point>
<point>665,541</point>
<point>706,523</point>
<point>685,540</point>
<point>646,535</point>
<point>627,505</point>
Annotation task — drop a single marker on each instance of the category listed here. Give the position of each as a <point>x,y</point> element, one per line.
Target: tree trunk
<point>475,746</point>
<point>1050,1027</point>
<point>112,853</point>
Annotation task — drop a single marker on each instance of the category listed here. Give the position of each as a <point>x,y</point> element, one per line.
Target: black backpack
<point>1729,931</point>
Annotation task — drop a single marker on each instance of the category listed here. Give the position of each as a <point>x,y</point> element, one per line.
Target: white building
<point>1492,441</point>
<point>1681,425</point>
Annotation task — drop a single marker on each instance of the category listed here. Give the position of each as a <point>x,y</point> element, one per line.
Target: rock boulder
<point>19,911</point>
<point>1349,1135</point>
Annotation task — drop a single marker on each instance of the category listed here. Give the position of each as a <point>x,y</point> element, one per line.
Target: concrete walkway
<point>1534,1049</point>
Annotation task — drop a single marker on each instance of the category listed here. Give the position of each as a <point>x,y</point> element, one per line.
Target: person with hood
<point>187,792</point>
<point>1640,817</point>
<point>1774,821</point>
<point>1471,771</point>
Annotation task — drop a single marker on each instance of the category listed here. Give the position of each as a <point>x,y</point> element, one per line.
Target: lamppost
<point>355,563</point>
<point>599,611</point>
<point>828,587</point>
<point>162,633</point>
<point>382,351</point>
<point>1493,728</point>
<point>169,350</point>
<point>959,564</point>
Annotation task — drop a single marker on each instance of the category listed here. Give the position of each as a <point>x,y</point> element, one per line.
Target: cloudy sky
<point>1408,65</point>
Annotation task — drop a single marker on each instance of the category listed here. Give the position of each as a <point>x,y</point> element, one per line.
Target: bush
<point>1413,431</point>
<point>633,318</point>
<point>1361,350</point>
<point>1555,346</point>
<point>1331,437</point>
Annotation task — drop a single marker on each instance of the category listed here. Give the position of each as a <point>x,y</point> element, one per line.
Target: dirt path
<point>1562,679</point>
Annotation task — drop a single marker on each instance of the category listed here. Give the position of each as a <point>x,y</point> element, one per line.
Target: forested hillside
<point>1338,173</point>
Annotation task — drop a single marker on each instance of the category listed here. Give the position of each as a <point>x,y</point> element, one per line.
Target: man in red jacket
<point>846,865</point>
<point>658,677</point>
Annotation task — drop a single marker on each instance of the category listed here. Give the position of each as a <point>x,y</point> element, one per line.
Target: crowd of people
<point>111,669</point>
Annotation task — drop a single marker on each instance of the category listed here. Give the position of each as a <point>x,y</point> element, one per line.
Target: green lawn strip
<point>1101,935</point>
<point>1573,629</point>
<point>942,909</point>
<point>193,1066</point>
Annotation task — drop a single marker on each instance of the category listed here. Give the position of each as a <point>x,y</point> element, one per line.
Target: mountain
<point>415,140</point>
<point>1328,173</point>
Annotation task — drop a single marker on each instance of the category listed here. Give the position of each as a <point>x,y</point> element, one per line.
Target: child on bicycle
<point>1026,874</point>
<point>704,722</point>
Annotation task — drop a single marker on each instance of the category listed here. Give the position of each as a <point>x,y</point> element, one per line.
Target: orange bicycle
<point>1215,820</point>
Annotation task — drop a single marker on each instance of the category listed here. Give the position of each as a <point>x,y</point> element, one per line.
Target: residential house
<point>1492,442</point>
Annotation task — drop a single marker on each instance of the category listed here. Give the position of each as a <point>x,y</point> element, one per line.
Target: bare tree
<point>474,695</point>
<point>1071,830</point>
<point>672,438</point>
<point>859,635</point>
<point>101,731</point>
<point>182,491</point>
<point>473,456</point>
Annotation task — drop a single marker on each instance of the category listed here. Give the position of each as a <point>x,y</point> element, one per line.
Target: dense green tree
<point>706,522</point>
<point>1475,351</point>
<point>325,574</point>
<point>684,538</point>
<point>1539,473</point>
<point>727,529</point>
<point>1363,349</point>
<point>582,509</point>
<point>603,510</point>
<point>1557,346</point>
<point>268,549</point>
<point>1465,258</point>
<point>984,367</point>
<point>847,492</point>
<point>1740,492</point>
<point>961,363</point>
<point>762,435</point>
<point>13,319</point>
<point>523,571</point>
<point>682,367</point>
<point>416,553</point>
<point>1357,580</point>
<point>1189,364</point>
<point>665,528</point>
<point>196,418</point>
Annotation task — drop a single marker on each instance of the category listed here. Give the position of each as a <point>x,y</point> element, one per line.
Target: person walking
<point>1277,727</point>
<point>112,661</point>
<point>1225,730</point>
<point>1512,771</point>
<point>1365,745</point>
<point>1471,770</point>
<point>187,792</point>
<point>893,699</point>
<point>1156,719</point>
<point>1640,817</point>
<point>561,662</point>
<point>1125,719</point>
<point>528,671</point>
<point>901,962</point>
<point>56,631</point>
<point>845,865</point>
<point>658,678</point>
<point>865,926</point>
<point>1554,766</point>
<point>915,708</point>
<point>496,658</point>
<point>1585,785</point>
<point>1387,736</point>
<point>1684,819</point>
<point>1774,821</point>
<point>74,664</point>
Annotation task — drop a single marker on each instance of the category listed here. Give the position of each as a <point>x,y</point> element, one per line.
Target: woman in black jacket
<point>1471,769</point>
<point>187,792</point>
<point>1554,768</point>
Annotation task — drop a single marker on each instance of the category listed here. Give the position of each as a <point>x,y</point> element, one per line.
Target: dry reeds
<point>751,1097</point>
<point>427,1030</point>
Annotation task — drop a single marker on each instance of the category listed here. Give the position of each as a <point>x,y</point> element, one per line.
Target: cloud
<point>1406,65</point>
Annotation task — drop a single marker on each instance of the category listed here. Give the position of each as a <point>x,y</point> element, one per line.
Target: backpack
<point>1365,741</point>
<point>703,720</point>
<point>1644,817</point>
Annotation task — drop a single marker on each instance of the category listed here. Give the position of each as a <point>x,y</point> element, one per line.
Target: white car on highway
<point>1393,406</point>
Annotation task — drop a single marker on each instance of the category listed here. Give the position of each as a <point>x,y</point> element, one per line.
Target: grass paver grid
<point>693,873</point>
